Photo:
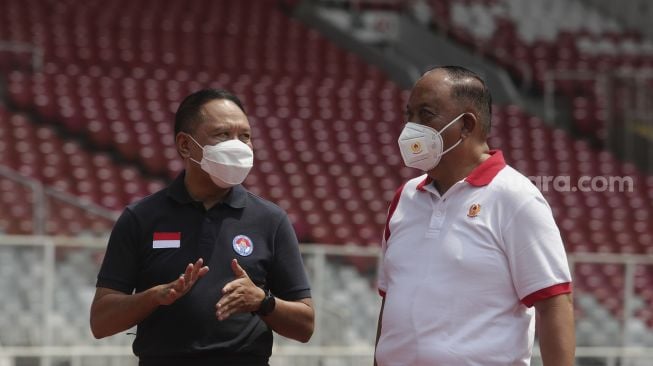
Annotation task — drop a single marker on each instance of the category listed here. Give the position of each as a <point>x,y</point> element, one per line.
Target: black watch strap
<point>267,304</point>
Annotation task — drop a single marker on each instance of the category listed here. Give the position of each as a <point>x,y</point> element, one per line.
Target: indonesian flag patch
<point>166,240</point>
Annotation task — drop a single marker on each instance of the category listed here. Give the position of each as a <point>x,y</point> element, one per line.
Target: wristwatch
<point>267,304</point>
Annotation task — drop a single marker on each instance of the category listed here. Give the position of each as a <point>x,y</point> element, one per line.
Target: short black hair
<point>478,95</point>
<point>189,113</point>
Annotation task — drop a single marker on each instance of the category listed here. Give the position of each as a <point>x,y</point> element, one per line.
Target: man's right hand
<point>168,293</point>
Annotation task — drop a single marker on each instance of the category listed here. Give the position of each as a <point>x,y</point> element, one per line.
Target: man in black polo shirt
<point>156,273</point>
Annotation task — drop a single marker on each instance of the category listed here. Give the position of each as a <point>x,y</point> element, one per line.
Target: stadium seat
<point>325,123</point>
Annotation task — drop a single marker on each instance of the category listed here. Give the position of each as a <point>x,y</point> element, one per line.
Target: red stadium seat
<point>325,123</point>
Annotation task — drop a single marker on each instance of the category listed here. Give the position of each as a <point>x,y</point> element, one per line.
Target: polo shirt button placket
<point>437,218</point>
<point>206,238</point>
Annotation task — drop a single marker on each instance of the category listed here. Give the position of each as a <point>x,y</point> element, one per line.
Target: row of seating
<point>567,42</point>
<point>325,123</point>
<point>135,118</point>
<point>39,152</point>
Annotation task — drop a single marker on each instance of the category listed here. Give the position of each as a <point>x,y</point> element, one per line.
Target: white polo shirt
<point>461,271</point>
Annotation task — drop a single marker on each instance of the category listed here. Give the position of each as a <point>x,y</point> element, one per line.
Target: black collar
<point>236,198</point>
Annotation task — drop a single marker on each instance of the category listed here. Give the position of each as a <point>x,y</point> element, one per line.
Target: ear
<point>183,145</point>
<point>470,123</point>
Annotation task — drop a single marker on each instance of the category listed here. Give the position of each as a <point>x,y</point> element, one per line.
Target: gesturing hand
<point>240,295</point>
<point>170,292</point>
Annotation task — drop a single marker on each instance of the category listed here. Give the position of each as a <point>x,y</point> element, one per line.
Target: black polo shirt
<point>154,240</point>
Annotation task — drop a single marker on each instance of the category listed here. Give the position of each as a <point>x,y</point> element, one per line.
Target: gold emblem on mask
<point>416,148</point>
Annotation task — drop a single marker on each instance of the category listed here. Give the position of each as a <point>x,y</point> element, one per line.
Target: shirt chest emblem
<point>243,245</point>
<point>474,210</point>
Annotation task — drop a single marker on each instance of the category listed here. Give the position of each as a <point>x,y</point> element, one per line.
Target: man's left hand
<point>240,295</point>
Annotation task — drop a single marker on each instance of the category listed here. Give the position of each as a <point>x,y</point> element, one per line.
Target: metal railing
<point>626,99</point>
<point>41,195</point>
<point>22,47</point>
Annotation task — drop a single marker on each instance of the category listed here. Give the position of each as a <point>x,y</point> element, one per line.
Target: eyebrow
<point>432,110</point>
<point>222,126</point>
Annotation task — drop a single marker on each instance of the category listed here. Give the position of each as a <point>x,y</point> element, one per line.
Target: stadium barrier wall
<point>52,253</point>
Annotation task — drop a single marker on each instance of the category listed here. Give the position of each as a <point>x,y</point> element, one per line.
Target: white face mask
<point>422,147</point>
<point>227,163</point>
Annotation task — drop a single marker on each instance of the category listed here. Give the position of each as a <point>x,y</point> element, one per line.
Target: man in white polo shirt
<point>471,246</point>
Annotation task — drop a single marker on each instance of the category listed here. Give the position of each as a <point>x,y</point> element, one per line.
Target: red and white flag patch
<point>166,240</point>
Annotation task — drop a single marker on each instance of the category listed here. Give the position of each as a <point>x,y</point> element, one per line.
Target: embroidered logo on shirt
<point>474,210</point>
<point>416,148</point>
<point>243,245</point>
<point>161,240</point>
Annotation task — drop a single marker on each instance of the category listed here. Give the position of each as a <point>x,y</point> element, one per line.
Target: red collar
<point>425,182</point>
<point>482,175</point>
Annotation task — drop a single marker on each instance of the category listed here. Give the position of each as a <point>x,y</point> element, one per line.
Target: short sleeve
<point>382,283</point>
<point>287,278</point>
<point>536,255</point>
<point>120,265</point>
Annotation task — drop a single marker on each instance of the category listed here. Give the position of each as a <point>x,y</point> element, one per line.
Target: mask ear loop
<point>421,126</point>
<point>201,147</point>
<point>447,126</point>
<point>452,122</point>
<point>453,146</point>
